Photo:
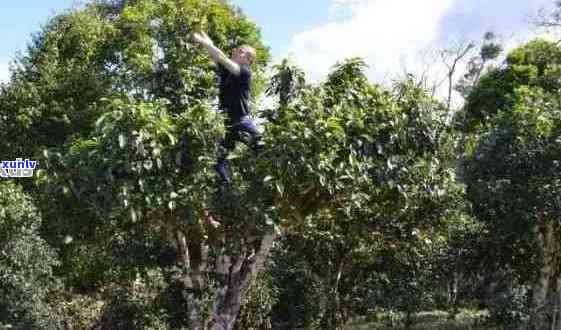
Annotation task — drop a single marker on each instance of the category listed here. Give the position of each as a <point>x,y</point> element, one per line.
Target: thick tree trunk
<point>557,325</point>
<point>234,275</point>
<point>545,289</point>
<point>555,293</point>
<point>193,256</point>
<point>339,318</point>
<point>332,315</point>
<point>234,269</point>
<point>453,294</point>
<point>554,299</point>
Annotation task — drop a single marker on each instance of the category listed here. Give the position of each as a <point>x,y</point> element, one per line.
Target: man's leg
<point>228,144</point>
<point>223,169</point>
<point>184,158</point>
<point>246,124</point>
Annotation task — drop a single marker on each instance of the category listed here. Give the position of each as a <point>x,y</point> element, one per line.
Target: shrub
<point>26,263</point>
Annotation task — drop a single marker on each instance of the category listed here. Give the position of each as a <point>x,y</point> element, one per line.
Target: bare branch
<point>451,57</point>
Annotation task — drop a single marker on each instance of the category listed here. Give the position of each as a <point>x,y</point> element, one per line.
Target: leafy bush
<point>258,308</point>
<point>510,307</point>
<point>26,263</point>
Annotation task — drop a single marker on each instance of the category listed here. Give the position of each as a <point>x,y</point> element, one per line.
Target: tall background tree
<point>512,170</point>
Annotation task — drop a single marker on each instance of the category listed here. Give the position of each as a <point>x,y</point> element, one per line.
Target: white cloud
<point>385,33</point>
<point>394,36</point>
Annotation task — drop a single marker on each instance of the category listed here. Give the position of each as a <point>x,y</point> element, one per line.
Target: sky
<point>389,35</point>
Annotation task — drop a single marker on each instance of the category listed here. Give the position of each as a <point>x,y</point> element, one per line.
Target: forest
<point>369,207</point>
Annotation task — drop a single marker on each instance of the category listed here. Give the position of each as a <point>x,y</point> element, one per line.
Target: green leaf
<point>122,141</point>
<point>267,178</point>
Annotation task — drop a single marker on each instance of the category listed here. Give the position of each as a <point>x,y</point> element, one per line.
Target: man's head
<point>243,55</point>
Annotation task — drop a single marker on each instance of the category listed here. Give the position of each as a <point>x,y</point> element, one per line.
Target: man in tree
<point>235,87</point>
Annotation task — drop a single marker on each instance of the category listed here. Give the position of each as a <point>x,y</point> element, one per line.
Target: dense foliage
<point>513,169</point>
<point>364,201</point>
<point>26,263</point>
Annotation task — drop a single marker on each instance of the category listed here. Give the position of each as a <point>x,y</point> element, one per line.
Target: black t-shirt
<point>235,92</point>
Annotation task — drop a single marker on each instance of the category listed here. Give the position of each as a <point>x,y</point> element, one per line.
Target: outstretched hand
<point>215,54</point>
<point>201,38</point>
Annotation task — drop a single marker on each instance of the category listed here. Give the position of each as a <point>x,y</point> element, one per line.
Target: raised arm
<point>215,53</point>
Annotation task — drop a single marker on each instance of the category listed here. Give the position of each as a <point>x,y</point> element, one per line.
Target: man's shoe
<point>258,146</point>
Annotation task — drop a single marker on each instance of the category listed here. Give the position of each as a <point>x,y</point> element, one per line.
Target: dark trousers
<point>234,131</point>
